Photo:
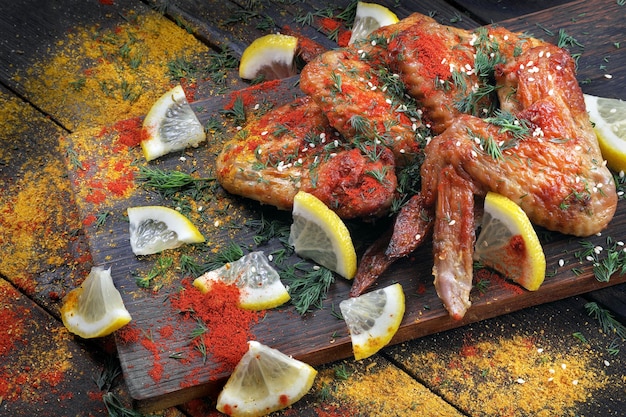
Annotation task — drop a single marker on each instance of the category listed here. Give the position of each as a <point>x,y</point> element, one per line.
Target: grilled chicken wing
<point>293,148</point>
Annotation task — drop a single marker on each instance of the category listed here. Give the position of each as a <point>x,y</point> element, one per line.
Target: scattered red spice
<point>230,327</point>
<point>344,38</point>
<point>89,220</point>
<point>96,197</point>
<point>328,24</point>
<point>250,95</point>
<point>128,334</point>
<point>129,132</point>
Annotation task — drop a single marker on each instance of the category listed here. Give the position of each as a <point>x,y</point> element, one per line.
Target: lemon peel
<point>259,284</point>
<point>264,380</point>
<point>509,244</point>
<point>373,319</point>
<point>271,56</point>
<point>319,234</point>
<point>154,229</point>
<point>171,125</point>
<point>368,18</point>
<point>608,116</point>
<point>95,309</point>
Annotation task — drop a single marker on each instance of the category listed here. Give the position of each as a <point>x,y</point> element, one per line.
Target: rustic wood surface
<point>29,33</point>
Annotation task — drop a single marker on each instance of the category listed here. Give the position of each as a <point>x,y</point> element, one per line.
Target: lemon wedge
<point>259,284</point>
<point>271,56</point>
<point>608,116</point>
<point>156,228</point>
<point>369,17</point>
<point>373,319</point>
<point>317,233</point>
<point>170,125</point>
<point>264,380</point>
<point>508,243</point>
<point>96,308</point>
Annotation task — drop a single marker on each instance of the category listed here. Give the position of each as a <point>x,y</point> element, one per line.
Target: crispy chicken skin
<point>293,148</point>
<point>350,91</point>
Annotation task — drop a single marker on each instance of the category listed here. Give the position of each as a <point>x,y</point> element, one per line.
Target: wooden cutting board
<point>317,337</point>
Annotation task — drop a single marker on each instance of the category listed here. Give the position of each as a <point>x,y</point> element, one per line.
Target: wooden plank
<point>477,368</point>
<point>486,11</point>
<point>317,337</point>
<point>599,27</point>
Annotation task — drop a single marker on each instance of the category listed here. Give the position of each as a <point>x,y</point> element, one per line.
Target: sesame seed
<point>520,381</point>
<point>606,363</point>
<point>506,37</point>
<point>559,68</point>
<point>418,236</point>
<point>548,54</point>
<point>402,151</point>
<point>452,222</point>
<point>575,382</point>
<point>270,257</point>
<point>182,159</point>
<point>551,370</point>
<point>531,79</point>
<point>316,267</point>
<point>264,133</point>
<point>608,76</point>
<point>540,54</point>
<point>216,223</point>
<point>550,379</point>
<point>563,366</point>
<point>540,350</point>
<point>257,106</point>
<point>561,262</point>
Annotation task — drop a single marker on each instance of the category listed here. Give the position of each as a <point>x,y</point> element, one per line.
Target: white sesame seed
<point>608,76</point>
<point>418,236</point>
<point>540,350</point>
<point>316,267</point>
<point>575,382</point>
<point>606,363</point>
<point>548,54</point>
<point>551,371</point>
<point>402,151</point>
<point>520,381</point>
<point>561,262</point>
<point>452,222</point>
<point>182,159</point>
<point>540,54</point>
<point>551,92</point>
<point>563,366</point>
<point>216,223</point>
<point>257,106</point>
<point>506,37</point>
<point>550,379</point>
<point>559,68</point>
<point>531,79</point>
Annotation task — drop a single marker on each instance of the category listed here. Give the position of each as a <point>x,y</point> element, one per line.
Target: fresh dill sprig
<point>115,408</point>
<point>469,103</point>
<point>101,218</point>
<point>230,253</point>
<point>620,184</point>
<point>608,323</point>
<point>606,261</point>
<point>181,67</point>
<point>237,112</point>
<point>488,145</point>
<point>336,79</point>
<point>159,269</point>
<point>308,286</point>
<point>508,122</point>
<point>266,230</point>
<point>110,371</point>
<point>168,183</point>
<point>341,373</point>
<point>564,40</point>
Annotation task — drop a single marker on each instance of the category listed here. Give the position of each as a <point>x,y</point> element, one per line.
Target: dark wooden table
<point>47,247</point>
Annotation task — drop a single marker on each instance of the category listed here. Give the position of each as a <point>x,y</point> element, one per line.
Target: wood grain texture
<point>317,337</point>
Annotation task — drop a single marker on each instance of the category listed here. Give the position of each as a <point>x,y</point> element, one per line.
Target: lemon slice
<point>271,56</point>
<point>96,308</point>
<point>317,233</point>
<point>609,118</point>
<point>264,380</point>
<point>373,319</point>
<point>171,125</point>
<point>259,284</point>
<point>369,17</point>
<point>508,243</point>
<point>155,228</point>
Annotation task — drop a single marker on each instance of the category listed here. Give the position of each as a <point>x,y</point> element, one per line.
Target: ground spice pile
<point>511,376</point>
<point>228,327</point>
<point>118,72</point>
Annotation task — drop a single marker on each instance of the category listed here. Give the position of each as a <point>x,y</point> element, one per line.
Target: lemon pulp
<point>154,229</point>
<point>96,308</point>
<point>509,244</point>
<point>264,380</point>
<point>259,284</point>
<point>271,56</point>
<point>171,125</point>
<point>373,319</point>
<point>608,116</point>
<point>369,17</point>
<point>317,233</point>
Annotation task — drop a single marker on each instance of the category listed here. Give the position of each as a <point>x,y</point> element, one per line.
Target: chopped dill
<point>308,285</point>
<point>564,40</point>
<point>487,145</point>
<point>609,324</point>
<point>606,261</point>
<point>230,253</point>
<point>507,122</point>
<point>168,183</point>
<point>266,230</point>
<point>237,112</point>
